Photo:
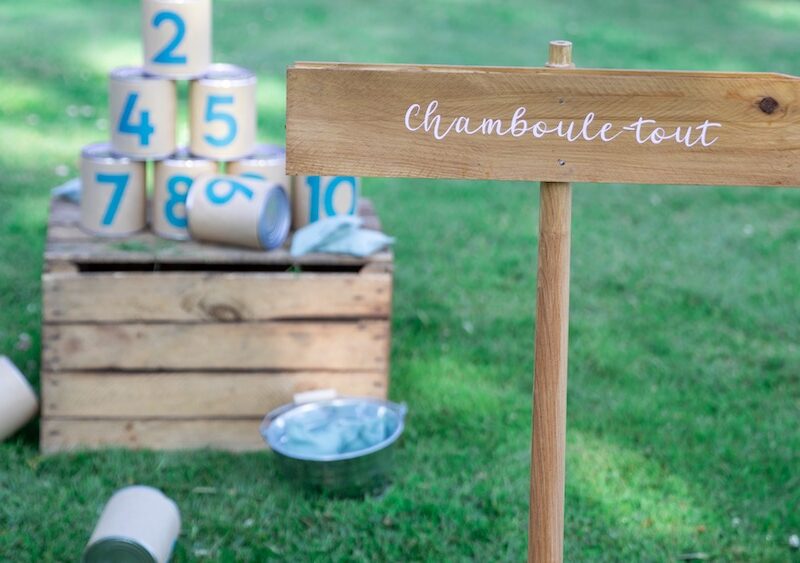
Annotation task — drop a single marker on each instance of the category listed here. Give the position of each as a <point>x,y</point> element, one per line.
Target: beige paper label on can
<point>228,210</point>
<point>142,114</point>
<point>176,37</point>
<point>222,119</point>
<point>142,515</point>
<point>113,196</point>
<point>173,179</point>
<point>18,402</point>
<point>318,197</point>
<point>270,172</point>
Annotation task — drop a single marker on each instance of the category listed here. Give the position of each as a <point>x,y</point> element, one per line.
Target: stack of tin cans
<point>254,204</point>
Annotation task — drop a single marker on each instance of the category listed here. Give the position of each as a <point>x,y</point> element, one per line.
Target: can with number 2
<point>173,178</point>
<point>222,113</point>
<point>176,37</point>
<point>113,194</point>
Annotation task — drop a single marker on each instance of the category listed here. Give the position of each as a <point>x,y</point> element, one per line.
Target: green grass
<point>684,395</point>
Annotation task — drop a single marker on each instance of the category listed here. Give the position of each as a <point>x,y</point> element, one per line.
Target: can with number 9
<point>318,197</point>
<point>143,113</point>
<point>238,211</point>
<point>113,195</point>
<point>222,113</point>
<point>173,178</point>
<point>176,37</point>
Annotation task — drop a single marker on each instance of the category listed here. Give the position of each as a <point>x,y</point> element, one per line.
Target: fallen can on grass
<point>343,446</point>
<point>138,525</point>
<point>18,401</point>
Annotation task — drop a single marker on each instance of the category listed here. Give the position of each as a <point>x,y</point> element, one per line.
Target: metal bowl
<point>354,472</point>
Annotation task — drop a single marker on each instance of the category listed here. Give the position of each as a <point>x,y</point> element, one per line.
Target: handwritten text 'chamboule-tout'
<point>644,131</point>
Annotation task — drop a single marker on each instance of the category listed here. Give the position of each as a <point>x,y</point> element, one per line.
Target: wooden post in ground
<point>546,533</point>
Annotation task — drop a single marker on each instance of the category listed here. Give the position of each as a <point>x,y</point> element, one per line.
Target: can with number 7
<point>143,114</point>
<point>113,195</point>
<point>238,211</point>
<point>173,178</point>
<point>222,113</point>
<point>176,37</point>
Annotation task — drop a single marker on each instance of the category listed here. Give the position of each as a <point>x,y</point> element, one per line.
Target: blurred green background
<point>684,392</point>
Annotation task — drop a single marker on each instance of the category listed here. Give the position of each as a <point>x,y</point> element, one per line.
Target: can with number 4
<point>176,37</point>
<point>318,197</point>
<point>173,178</point>
<point>238,211</point>
<point>143,114</point>
<point>113,194</point>
<point>222,113</point>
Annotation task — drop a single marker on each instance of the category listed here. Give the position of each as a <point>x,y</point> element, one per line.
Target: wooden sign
<point>544,124</point>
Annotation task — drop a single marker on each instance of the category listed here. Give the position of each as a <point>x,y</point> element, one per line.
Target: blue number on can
<point>166,55</point>
<point>176,198</point>
<point>235,187</point>
<point>144,129</point>
<point>120,182</point>
<point>315,184</point>
<point>253,175</point>
<point>216,115</point>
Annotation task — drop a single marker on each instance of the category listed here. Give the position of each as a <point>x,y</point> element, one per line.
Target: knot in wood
<point>768,105</point>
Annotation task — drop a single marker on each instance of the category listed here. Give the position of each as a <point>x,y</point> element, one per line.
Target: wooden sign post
<point>557,125</point>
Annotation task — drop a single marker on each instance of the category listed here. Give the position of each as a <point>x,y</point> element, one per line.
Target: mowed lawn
<point>684,391</point>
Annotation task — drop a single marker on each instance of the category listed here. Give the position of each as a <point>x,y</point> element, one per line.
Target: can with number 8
<point>176,37</point>
<point>173,178</point>
<point>222,110</point>
<point>143,113</point>
<point>113,194</point>
<point>238,211</point>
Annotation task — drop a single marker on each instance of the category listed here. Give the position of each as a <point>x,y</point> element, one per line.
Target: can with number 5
<point>238,211</point>
<point>176,37</point>
<point>173,178</point>
<point>113,195</point>
<point>222,113</point>
<point>143,113</point>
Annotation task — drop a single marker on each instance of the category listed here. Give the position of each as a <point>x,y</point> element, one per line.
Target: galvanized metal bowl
<point>357,472</point>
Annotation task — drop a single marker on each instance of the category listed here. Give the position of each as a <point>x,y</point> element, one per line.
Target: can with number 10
<point>173,179</point>
<point>143,114</point>
<point>176,37</point>
<point>113,194</point>
<point>222,113</point>
<point>238,211</point>
<point>318,197</point>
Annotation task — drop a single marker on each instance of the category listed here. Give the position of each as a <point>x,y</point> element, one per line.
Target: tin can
<point>18,401</point>
<point>138,524</point>
<point>143,114</point>
<point>238,211</point>
<point>176,35</point>
<point>222,113</point>
<point>172,179</point>
<point>318,197</point>
<point>113,192</point>
<point>268,162</point>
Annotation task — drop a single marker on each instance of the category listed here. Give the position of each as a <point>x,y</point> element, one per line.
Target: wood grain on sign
<point>273,345</point>
<point>572,125</point>
<point>214,296</point>
<point>64,434</point>
<point>192,394</point>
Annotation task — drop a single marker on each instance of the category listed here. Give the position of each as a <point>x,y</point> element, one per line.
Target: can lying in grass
<point>344,446</point>
<point>18,401</point>
<point>138,525</point>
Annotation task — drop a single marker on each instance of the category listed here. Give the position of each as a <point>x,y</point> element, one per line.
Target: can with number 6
<point>113,194</point>
<point>238,211</point>
<point>176,37</point>
<point>268,162</point>
<point>222,113</point>
<point>143,114</point>
<point>173,178</point>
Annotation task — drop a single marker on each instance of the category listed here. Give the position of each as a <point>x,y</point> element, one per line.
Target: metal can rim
<point>227,74</point>
<point>134,74</point>
<point>103,153</point>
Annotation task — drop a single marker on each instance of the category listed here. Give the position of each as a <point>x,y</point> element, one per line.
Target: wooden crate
<point>149,343</point>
